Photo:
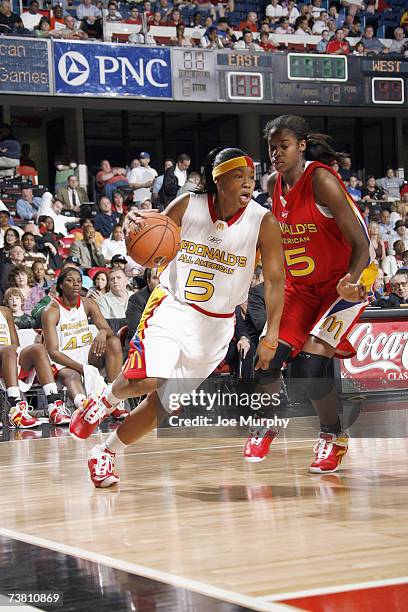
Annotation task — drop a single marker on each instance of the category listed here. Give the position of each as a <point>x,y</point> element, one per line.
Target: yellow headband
<point>231,164</point>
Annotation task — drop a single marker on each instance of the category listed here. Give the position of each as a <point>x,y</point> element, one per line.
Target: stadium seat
<point>28,172</point>
<point>75,230</point>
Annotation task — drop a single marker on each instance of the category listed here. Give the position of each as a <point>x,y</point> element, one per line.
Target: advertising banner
<point>112,70</point>
<point>24,66</point>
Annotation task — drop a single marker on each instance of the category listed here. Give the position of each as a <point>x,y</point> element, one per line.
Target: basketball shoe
<point>58,413</point>
<point>87,418</point>
<point>119,413</point>
<point>258,443</point>
<point>20,418</point>
<point>101,465</point>
<point>330,450</point>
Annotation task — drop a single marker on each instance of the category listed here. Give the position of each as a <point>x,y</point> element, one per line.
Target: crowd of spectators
<point>345,26</point>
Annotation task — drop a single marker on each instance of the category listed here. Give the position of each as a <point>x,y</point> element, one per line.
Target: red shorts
<point>318,310</point>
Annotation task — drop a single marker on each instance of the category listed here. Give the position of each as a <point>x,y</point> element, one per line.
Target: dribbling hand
<point>134,221</point>
<point>351,292</point>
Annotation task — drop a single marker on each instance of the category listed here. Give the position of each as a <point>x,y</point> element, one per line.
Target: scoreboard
<point>289,78</point>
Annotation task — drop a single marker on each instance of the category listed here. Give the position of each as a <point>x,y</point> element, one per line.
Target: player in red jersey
<point>326,248</point>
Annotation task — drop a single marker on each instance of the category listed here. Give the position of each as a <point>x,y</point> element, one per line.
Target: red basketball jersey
<point>315,249</point>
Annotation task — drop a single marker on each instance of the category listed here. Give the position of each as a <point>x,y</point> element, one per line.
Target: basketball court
<point>192,526</point>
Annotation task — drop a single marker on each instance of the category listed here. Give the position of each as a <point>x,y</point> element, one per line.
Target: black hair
<point>215,158</point>
<point>184,157</point>
<point>62,276</point>
<point>317,145</point>
<point>86,220</point>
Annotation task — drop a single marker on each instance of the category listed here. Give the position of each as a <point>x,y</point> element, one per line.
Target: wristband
<point>271,347</point>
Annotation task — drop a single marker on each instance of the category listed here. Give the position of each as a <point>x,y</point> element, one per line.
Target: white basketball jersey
<point>73,330</point>
<point>5,337</point>
<point>214,266</point>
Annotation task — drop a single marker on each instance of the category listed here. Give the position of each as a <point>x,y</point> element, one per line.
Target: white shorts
<point>177,343</point>
<point>25,379</point>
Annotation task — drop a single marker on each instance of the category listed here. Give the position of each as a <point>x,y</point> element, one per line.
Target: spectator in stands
<point>10,23</point>
<point>274,11</point>
<point>100,285</point>
<point>360,49</point>
<point>90,17</point>
<point>317,8</point>
<point>141,179</point>
<point>180,40</point>
<point>113,13</point>
<point>11,237</point>
<point>174,178</point>
<point>250,23</point>
<point>399,214</point>
<point>390,184</point>
<point>257,277</point>
<point>113,304</point>
<point>302,26</point>
<point>135,163</point>
<point>398,42</point>
<point>5,224</point>
<point>372,192</point>
<point>306,11</point>
<point>78,235</point>
<point>13,299</point>
<point>247,42</point>
<point>155,19</point>
<point>191,183</point>
<point>72,29</point>
<point>173,18</point>
<point>86,250</point>
<point>143,38</point>
<point>339,45</point>
<point>60,221</point>
<point>334,15</point>
<point>9,148</point>
<point>64,167</point>
<point>291,12</point>
<point>57,17</point>
<point>106,219</point>
<point>137,301</point>
<point>164,7</point>
<point>115,245</point>
<point>25,156</point>
<point>353,6</point>
<point>211,39</point>
<point>158,181</point>
<point>28,205</point>
<point>346,170</point>
<point>399,233</point>
<point>72,195</point>
<point>320,23</point>
<point>392,263</point>
<point>353,188</point>
<point>40,277</point>
<point>265,44</point>
<point>284,26</point>
<point>372,44</point>
<point>379,285</point>
<point>386,227</point>
<point>31,253</point>
<point>109,178</point>
<point>31,18</point>
<point>118,204</point>
<point>322,44</point>
<point>21,277</point>
<point>374,232</point>
<point>399,291</point>
<point>146,204</point>
<point>134,16</point>
<point>43,29</point>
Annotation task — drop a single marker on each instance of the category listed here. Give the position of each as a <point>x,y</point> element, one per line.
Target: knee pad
<point>266,377</point>
<point>314,375</point>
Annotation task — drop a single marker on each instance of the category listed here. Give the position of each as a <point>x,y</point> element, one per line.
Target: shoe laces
<point>104,463</point>
<point>323,448</point>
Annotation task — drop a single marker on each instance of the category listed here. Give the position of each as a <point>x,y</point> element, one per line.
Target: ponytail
<point>317,145</point>
<point>215,158</point>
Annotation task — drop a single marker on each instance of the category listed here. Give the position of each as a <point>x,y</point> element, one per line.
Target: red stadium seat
<point>93,271</point>
<point>76,230</point>
<point>28,172</point>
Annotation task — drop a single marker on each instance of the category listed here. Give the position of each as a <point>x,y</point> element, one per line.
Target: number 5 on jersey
<point>296,256</point>
<point>201,281</point>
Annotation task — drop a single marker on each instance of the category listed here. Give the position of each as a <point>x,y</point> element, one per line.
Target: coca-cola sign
<point>381,362</point>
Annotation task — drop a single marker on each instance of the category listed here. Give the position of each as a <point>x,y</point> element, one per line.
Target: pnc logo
<point>73,68</point>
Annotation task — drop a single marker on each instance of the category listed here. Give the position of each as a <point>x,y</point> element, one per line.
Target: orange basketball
<point>156,244</point>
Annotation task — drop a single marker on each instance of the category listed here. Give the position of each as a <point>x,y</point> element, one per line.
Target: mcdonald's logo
<point>220,226</point>
<point>332,324</point>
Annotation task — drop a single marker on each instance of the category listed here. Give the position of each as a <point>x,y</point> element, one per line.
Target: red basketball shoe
<point>20,418</point>
<point>257,445</point>
<point>58,413</point>
<point>119,413</point>
<point>87,418</point>
<point>101,464</point>
<point>330,450</point>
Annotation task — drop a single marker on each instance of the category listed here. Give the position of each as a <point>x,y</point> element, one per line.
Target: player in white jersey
<point>70,342</point>
<point>18,367</point>
<point>189,320</point>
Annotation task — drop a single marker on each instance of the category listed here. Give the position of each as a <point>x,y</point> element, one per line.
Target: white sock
<point>114,444</point>
<point>78,399</point>
<point>13,393</point>
<point>111,398</point>
<point>50,388</point>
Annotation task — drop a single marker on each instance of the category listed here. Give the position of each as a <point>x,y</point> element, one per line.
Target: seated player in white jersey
<point>69,340</point>
<point>18,367</point>
<point>188,321</point>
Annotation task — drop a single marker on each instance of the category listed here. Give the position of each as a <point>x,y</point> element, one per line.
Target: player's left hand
<point>351,292</point>
<point>99,343</point>
<point>264,356</point>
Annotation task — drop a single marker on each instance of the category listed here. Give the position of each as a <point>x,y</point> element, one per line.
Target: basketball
<point>156,244</point>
